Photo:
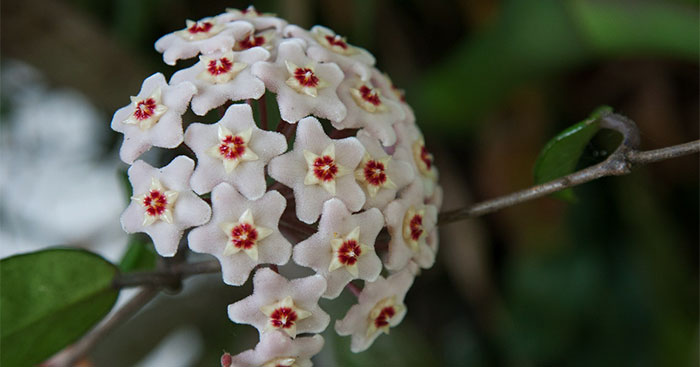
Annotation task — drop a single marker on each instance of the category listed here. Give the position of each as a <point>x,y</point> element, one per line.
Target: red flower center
<point>283,317</point>
<point>337,41</point>
<point>370,95</point>
<point>232,147</point>
<point>306,77</point>
<point>325,168</point>
<point>244,236</point>
<point>198,27</point>
<point>374,173</point>
<point>416,226</point>
<point>426,157</point>
<point>348,252</point>
<point>219,66</point>
<point>155,203</point>
<point>145,109</point>
<point>384,316</point>
<point>251,41</point>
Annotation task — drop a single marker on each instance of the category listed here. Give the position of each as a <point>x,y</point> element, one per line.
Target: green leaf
<point>140,255</point>
<point>49,299</point>
<point>561,154</point>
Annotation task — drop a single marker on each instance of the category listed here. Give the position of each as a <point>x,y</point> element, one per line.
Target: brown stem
<point>620,162</point>
<point>165,278</point>
<point>354,289</point>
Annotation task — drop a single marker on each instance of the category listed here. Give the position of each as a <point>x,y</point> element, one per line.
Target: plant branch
<point>165,277</point>
<point>620,162</point>
<point>72,355</point>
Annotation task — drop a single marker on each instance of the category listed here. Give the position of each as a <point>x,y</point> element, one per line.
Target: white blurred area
<point>55,189</point>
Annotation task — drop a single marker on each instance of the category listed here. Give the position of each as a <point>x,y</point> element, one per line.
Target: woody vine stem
<point>621,162</point>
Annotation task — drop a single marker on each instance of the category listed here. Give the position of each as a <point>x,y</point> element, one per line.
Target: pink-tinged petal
<point>358,321</point>
<point>228,206</point>
<point>317,95</point>
<point>388,89</point>
<point>351,59</point>
<point>163,129</point>
<point>188,210</point>
<point>248,176</point>
<point>410,147</point>
<point>222,37</point>
<point>270,288</point>
<point>398,173</point>
<point>368,108</point>
<point>403,247</point>
<point>276,345</point>
<point>292,169</point>
<point>212,93</point>
<point>259,20</point>
<point>437,198</point>
<point>337,223</point>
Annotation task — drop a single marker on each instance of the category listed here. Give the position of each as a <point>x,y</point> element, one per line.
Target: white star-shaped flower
<point>380,306</point>
<point>233,150</point>
<point>303,79</point>
<point>242,233</point>
<point>284,315</point>
<point>147,111</point>
<point>389,90</point>
<point>277,303</point>
<point>343,247</point>
<point>276,349</point>
<point>380,174</point>
<point>222,77</point>
<point>409,221</point>
<point>368,109</point>
<point>260,20</point>
<point>326,46</point>
<point>410,147</point>
<point>323,169</point>
<point>153,118</point>
<point>292,169</point>
<point>206,36</point>
<point>303,86</point>
<point>164,205</point>
<point>158,203</point>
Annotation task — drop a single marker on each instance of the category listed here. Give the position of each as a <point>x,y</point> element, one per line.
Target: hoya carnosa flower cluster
<point>342,184</point>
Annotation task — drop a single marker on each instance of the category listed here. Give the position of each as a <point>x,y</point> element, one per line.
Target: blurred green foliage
<point>540,39</point>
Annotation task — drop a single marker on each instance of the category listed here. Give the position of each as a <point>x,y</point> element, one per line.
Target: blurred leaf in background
<point>533,40</point>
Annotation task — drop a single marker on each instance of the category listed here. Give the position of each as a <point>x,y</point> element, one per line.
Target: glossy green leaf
<point>50,298</point>
<point>140,255</point>
<point>561,154</point>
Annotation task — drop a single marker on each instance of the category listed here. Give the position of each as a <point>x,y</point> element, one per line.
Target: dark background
<point>610,280</point>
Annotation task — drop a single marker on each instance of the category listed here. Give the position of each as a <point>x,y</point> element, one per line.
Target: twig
<point>620,162</point>
<point>354,289</point>
<point>73,354</point>
<point>165,278</point>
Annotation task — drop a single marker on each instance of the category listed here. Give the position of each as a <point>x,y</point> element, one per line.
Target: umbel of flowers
<point>342,184</point>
